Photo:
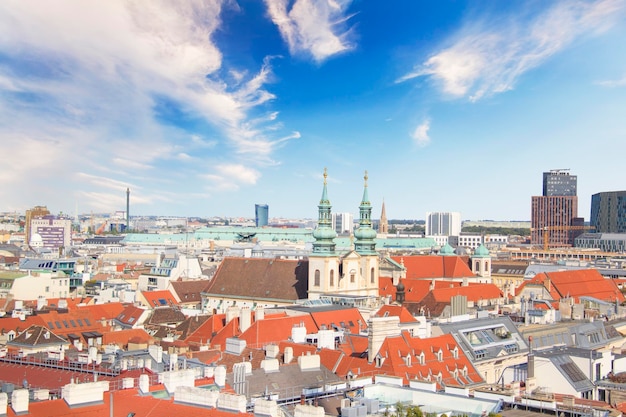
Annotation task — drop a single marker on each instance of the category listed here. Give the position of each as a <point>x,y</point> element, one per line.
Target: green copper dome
<point>447,250</point>
<point>481,252</point>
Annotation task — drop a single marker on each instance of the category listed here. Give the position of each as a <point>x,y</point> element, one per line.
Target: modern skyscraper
<point>608,212</point>
<point>559,182</point>
<point>555,212</point>
<point>261,215</point>
<point>443,224</point>
<point>343,222</point>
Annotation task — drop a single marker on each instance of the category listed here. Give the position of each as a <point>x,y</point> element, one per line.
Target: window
<point>352,277</point>
<point>331,281</point>
<point>372,276</point>
<point>317,278</point>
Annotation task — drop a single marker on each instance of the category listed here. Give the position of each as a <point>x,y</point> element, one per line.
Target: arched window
<point>477,267</point>
<point>317,278</point>
<point>331,282</point>
<point>372,276</point>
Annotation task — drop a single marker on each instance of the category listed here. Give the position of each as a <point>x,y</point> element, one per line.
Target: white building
<point>343,222</point>
<point>41,284</point>
<point>50,232</point>
<point>443,223</point>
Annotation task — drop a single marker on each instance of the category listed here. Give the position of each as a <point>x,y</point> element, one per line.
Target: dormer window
<point>421,358</point>
<point>455,352</point>
<point>439,355</point>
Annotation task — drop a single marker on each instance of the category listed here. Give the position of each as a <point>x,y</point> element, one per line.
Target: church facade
<point>353,274</point>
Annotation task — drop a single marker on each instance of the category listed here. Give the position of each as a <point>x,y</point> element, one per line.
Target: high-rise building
<point>343,222</point>
<point>443,224</point>
<point>555,212</point>
<point>261,215</point>
<point>559,182</point>
<point>37,211</point>
<point>608,212</point>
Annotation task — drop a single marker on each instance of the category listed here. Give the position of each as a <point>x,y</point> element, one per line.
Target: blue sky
<point>204,108</point>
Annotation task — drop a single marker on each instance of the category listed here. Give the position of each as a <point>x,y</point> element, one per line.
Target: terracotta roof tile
<point>434,266</point>
<point>261,279</point>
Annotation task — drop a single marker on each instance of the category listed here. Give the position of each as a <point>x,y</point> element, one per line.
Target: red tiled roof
<point>349,318</point>
<point>575,284</point>
<point>79,320</point>
<point>473,292</point>
<point>396,311</point>
<point>262,332</point>
<point>162,298</point>
<point>122,337</point>
<point>434,266</point>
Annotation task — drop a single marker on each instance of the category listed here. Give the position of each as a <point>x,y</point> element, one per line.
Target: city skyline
<point>208,108</point>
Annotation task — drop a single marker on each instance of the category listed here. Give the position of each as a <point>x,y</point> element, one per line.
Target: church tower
<point>365,245</point>
<point>383,225</point>
<point>323,261</point>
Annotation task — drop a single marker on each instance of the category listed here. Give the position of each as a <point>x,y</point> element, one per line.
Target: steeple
<point>365,235</point>
<point>324,234</point>
<point>383,225</point>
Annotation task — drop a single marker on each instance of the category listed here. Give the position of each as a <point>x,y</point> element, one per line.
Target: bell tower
<point>323,261</point>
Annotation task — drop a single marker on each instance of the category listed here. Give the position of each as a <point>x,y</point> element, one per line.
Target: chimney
<point>19,401</point>
<point>231,313</point>
<point>548,283</point>
<point>288,355</point>
<point>4,401</point>
<point>259,313</point>
<point>245,318</point>
<point>379,329</point>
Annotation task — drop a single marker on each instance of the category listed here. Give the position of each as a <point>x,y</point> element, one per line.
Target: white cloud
<point>420,134</point>
<point>621,82</point>
<point>94,78</point>
<point>315,27</point>
<point>488,57</point>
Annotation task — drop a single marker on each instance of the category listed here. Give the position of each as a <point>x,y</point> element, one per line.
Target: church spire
<point>383,225</point>
<point>324,234</point>
<point>365,235</point>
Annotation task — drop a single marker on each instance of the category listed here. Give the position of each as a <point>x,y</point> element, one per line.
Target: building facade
<point>54,232</point>
<point>443,224</point>
<point>261,215</point>
<point>37,211</point>
<point>608,212</point>
<point>554,215</point>
<point>559,182</point>
<point>343,222</point>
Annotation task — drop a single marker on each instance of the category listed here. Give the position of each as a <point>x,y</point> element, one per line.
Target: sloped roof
<point>37,336</point>
<point>189,291</point>
<point>434,266</point>
<point>161,298</point>
<point>349,318</point>
<point>130,315</point>
<point>397,311</point>
<point>207,329</point>
<point>164,315</point>
<point>122,337</point>
<point>78,320</point>
<point>262,332</point>
<point>261,279</point>
<point>575,284</point>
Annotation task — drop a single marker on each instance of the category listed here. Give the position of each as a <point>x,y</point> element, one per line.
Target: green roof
<point>12,274</point>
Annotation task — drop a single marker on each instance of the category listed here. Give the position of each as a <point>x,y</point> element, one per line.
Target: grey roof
<point>591,335</point>
<point>288,382</point>
<point>487,338</point>
<point>37,336</point>
<point>561,358</point>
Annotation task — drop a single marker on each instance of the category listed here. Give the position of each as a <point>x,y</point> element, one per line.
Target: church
<point>350,277</point>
